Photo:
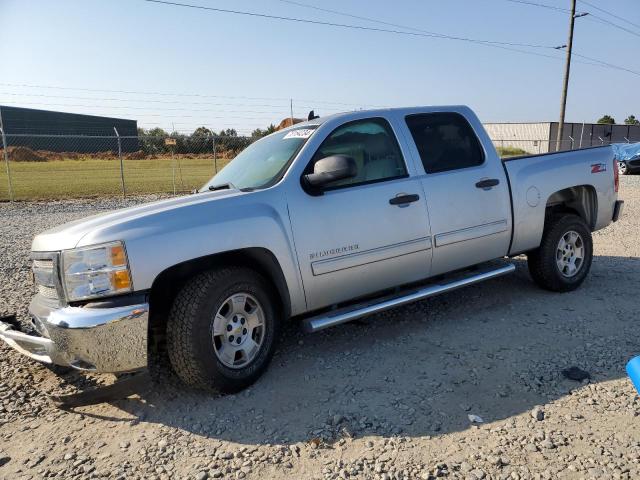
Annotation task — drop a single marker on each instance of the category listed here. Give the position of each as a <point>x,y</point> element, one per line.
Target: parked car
<point>628,157</point>
<point>324,222</point>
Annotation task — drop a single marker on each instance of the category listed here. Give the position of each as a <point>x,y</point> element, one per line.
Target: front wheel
<point>564,257</point>
<point>222,329</point>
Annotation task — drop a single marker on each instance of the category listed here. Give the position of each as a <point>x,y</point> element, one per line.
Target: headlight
<point>96,271</point>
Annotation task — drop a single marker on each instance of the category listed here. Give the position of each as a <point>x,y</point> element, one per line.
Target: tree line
<point>201,140</point>
<point>609,120</point>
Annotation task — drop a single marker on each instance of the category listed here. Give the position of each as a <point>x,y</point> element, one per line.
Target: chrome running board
<point>346,314</point>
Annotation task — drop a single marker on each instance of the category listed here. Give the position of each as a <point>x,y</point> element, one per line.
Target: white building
<point>541,137</point>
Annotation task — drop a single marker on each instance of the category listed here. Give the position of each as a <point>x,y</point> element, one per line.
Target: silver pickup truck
<point>324,222</point>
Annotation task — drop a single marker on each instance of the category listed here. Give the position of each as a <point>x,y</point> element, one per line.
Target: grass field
<point>87,178</point>
<point>60,179</point>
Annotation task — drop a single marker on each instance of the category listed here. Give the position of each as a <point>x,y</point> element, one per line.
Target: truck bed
<point>585,177</point>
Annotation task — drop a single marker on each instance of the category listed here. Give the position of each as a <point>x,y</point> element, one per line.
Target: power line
<point>426,32</point>
<point>170,102</point>
<point>609,13</point>
<point>591,16</point>
<point>345,25</point>
<point>541,5</point>
<point>169,94</point>
<point>599,19</point>
<point>382,30</point>
<point>143,114</point>
<point>605,64</point>
<point>369,19</point>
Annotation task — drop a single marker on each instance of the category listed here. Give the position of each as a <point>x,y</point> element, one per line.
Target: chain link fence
<point>73,166</point>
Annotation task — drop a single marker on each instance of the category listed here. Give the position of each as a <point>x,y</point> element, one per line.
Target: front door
<point>466,190</point>
<point>367,233</point>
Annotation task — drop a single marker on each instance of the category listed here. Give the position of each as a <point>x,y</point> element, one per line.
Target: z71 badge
<point>598,167</point>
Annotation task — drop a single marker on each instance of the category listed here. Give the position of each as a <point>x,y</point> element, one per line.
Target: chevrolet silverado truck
<point>324,222</point>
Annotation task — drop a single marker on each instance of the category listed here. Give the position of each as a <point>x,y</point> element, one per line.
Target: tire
<point>207,319</point>
<point>545,262</point>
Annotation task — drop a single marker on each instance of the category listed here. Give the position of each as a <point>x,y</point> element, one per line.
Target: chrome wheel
<point>622,168</point>
<point>238,330</point>
<point>570,254</point>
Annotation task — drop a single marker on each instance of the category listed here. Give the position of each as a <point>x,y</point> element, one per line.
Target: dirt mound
<point>139,155</point>
<point>24,154</point>
<point>287,123</point>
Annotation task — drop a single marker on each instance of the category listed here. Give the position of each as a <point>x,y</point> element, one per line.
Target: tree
<point>202,132</point>
<point>607,119</point>
<point>259,133</point>
<point>229,132</point>
<point>152,141</point>
<point>631,120</point>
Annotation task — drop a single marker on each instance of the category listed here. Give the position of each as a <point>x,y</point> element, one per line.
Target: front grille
<point>45,263</point>
<point>48,292</point>
<point>45,274</point>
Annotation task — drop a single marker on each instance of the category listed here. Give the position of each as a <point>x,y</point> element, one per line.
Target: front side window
<point>373,146</point>
<point>445,141</point>
<point>263,162</point>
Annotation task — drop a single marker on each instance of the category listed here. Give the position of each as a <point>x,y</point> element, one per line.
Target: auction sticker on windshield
<point>300,133</point>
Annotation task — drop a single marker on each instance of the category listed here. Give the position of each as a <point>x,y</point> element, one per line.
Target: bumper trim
<point>38,348</point>
<point>107,340</point>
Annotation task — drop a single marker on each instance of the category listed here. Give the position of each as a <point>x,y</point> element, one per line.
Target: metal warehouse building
<point>66,132</point>
<point>541,137</point>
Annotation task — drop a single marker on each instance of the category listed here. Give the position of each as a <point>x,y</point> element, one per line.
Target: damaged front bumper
<point>109,339</point>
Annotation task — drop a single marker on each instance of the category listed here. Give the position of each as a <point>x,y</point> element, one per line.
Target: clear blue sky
<point>138,46</point>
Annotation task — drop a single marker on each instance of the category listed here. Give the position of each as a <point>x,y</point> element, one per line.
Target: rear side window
<point>445,141</point>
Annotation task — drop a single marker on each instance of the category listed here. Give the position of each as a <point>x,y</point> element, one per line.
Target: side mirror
<point>331,169</point>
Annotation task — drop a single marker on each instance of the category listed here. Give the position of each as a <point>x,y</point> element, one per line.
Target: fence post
<point>173,169</point>
<point>215,159</point>
<point>6,161</point>
<point>6,157</point>
<point>581,133</point>
<point>124,191</point>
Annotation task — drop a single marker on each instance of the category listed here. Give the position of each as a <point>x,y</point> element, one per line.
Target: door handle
<point>404,198</point>
<point>487,183</point>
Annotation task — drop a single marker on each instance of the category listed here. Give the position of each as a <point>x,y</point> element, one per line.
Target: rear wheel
<point>222,329</point>
<point>564,257</point>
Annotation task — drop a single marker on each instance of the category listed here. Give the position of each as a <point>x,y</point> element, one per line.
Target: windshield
<point>262,162</point>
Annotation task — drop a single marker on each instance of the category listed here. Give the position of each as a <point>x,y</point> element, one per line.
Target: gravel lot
<point>389,398</point>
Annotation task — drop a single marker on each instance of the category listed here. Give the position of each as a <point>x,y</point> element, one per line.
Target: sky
<point>184,67</point>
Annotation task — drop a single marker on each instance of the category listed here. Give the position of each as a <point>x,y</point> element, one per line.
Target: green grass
<point>510,151</point>
<point>61,179</point>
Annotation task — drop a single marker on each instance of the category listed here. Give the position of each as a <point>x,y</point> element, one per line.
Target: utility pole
<point>291,105</point>
<point>567,68</point>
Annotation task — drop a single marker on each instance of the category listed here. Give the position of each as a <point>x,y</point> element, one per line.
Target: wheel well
<point>169,282</point>
<point>580,200</point>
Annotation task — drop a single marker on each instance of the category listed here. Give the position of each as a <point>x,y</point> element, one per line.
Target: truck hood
<point>71,235</point>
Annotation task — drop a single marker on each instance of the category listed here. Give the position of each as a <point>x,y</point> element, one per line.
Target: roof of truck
<point>379,111</point>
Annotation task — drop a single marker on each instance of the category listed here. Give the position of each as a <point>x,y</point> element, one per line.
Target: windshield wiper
<point>222,186</point>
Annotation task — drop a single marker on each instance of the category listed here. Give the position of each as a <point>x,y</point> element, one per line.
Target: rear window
<point>445,141</point>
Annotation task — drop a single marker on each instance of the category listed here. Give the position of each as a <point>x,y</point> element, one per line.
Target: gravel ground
<point>390,398</point>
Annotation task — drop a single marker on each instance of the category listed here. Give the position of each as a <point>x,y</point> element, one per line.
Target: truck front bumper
<point>107,340</point>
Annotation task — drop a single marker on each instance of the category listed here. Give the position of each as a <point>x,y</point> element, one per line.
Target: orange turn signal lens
<point>120,280</point>
<point>118,257</point>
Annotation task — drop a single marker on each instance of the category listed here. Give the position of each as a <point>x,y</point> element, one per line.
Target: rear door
<point>363,234</point>
<point>466,190</point>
